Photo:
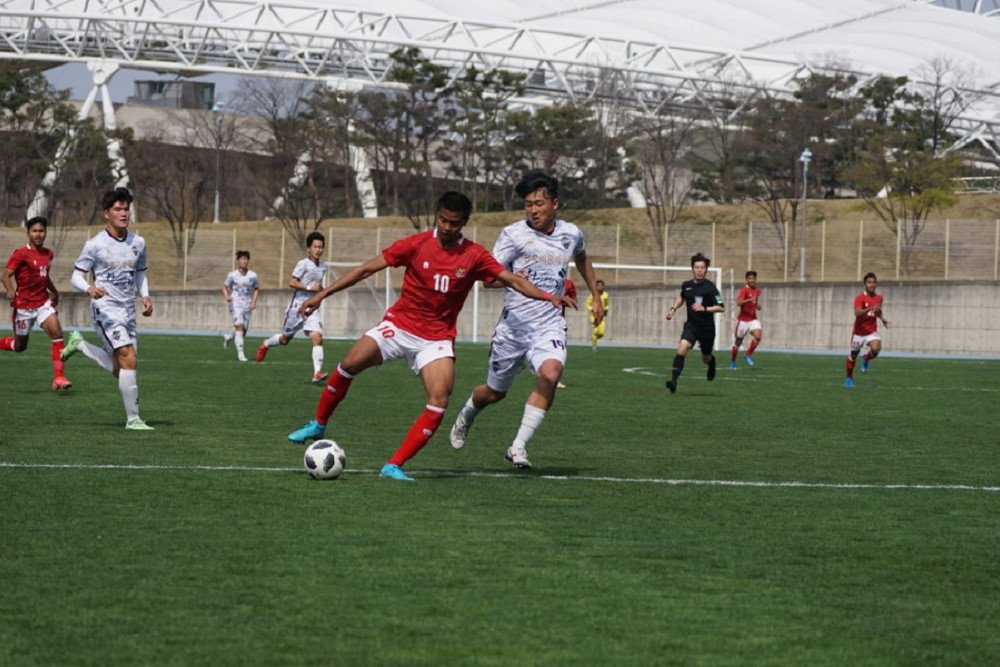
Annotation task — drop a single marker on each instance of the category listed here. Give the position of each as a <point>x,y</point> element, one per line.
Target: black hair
<point>455,202</point>
<point>315,236</point>
<point>37,220</point>
<point>533,181</point>
<point>751,273</point>
<point>242,253</point>
<point>111,197</point>
<point>700,258</point>
<point>869,275</point>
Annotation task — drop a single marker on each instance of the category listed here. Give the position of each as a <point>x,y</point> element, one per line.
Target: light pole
<point>217,110</point>
<point>804,159</point>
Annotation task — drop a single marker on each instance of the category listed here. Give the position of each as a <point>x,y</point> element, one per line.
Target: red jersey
<point>867,324</point>
<point>569,289</point>
<point>748,310</point>
<point>436,283</point>
<point>31,271</point>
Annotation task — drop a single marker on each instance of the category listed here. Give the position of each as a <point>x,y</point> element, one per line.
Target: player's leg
<point>53,328</point>
<point>317,356</point>
<point>481,397</point>
<point>874,347</point>
<point>239,336</point>
<point>438,377</point>
<point>22,321</point>
<point>856,343</point>
<point>126,361</point>
<point>683,347</point>
<point>754,342</point>
<point>597,334</point>
<point>536,407</point>
<point>706,341</point>
<point>505,361</point>
<point>734,350</point>
<point>102,356</point>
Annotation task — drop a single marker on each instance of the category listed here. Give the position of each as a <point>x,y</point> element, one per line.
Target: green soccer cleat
<point>392,471</point>
<point>137,425</point>
<point>311,431</point>
<point>72,345</point>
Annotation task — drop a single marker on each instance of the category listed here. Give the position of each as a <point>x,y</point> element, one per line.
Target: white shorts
<point>241,316</point>
<point>858,342</point>
<point>743,328</point>
<point>25,318</point>
<point>115,324</point>
<point>510,349</point>
<point>295,323</point>
<point>395,343</point>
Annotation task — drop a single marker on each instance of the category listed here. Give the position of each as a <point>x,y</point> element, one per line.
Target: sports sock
<point>129,387</point>
<point>850,367</point>
<point>317,354</point>
<point>334,392</point>
<point>98,354</point>
<point>753,346</point>
<point>468,413</point>
<point>7,343</point>
<point>732,352</point>
<point>869,356</point>
<point>273,340</point>
<point>678,367</point>
<point>418,435</point>
<point>532,419</point>
<point>228,336</point>
<point>57,362</point>
<point>239,342</point>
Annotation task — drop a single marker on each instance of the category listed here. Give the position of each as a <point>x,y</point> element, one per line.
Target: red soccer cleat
<point>261,352</point>
<point>61,382</point>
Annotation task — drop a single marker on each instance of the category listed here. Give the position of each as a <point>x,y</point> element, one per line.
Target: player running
<point>702,299</point>
<point>441,268</point>
<point>598,328</point>
<point>117,261</point>
<point>538,248</point>
<point>306,280</point>
<point>748,300</point>
<point>34,298</point>
<point>240,290</point>
<point>867,313</point>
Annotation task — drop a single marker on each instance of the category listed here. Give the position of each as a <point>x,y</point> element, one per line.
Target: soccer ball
<point>324,459</point>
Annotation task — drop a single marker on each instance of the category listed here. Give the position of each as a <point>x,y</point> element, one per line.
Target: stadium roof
<point>657,50</point>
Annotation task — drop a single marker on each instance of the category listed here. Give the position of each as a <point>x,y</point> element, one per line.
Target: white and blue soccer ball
<point>324,459</point>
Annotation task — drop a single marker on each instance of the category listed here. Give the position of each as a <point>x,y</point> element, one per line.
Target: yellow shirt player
<point>597,333</point>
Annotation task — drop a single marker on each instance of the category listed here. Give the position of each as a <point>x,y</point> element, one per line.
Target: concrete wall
<point>955,318</point>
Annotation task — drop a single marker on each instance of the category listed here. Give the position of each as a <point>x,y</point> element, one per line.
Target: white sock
<point>227,336</point>
<point>317,358</point>
<point>273,340</point>
<point>532,419</point>
<point>98,354</point>
<point>239,343</point>
<point>468,413</point>
<point>129,387</point>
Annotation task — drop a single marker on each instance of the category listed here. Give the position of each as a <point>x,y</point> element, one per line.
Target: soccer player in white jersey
<point>538,248</point>
<point>116,258</point>
<point>240,290</point>
<point>306,280</point>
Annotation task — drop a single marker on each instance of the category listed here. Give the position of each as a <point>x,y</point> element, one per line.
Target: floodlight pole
<point>217,110</point>
<point>804,159</point>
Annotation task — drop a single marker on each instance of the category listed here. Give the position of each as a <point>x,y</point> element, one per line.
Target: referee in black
<point>703,300</point>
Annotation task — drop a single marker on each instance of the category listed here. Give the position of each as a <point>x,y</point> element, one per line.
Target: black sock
<point>678,367</point>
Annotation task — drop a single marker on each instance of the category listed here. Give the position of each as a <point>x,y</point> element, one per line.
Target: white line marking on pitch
<point>558,478</point>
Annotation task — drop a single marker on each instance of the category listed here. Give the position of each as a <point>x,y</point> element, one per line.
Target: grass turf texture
<point>479,564</point>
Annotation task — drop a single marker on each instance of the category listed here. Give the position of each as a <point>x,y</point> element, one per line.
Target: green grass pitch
<point>771,516</point>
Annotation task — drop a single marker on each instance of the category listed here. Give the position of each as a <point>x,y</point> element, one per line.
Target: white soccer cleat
<point>519,457</point>
<point>225,340</point>
<point>459,432</point>
<point>242,357</point>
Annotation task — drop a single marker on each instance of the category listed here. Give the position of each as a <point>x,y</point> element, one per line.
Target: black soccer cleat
<point>711,372</point>
<point>672,386</point>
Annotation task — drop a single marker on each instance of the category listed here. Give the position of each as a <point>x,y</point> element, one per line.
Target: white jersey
<point>308,272</point>
<point>114,263</point>
<point>241,288</point>
<point>542,259</point>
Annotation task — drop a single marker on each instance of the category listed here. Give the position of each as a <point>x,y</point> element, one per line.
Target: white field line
<point>521,476</point>
<point>750,374</point>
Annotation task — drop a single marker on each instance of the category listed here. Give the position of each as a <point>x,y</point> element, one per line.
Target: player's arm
<point>878,313</point>
<point>525,287</point>
<point>53,292</point>
<point>142,285</point>
<point>225,293</point>
<point>80,282</point>
<point>295,283</point>
<point>586,270</point>
<point>8,284</point>
<point>678,302</point>
<point>253,299</point>
<point>355,275</point>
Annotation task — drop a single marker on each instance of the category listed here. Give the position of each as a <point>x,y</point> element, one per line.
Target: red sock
<point>850,367</point>
<point>57,363</point>
<point>733,351</point>
<point>334,392</point>
<point>418,435</point>
<point>753,346</point>
<point>869,356</point>
<point>7,343</point>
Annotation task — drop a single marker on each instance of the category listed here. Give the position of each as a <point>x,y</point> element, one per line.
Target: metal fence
<point>842,251</point>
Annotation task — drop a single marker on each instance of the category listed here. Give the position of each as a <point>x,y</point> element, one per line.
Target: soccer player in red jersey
<point>867,313</point>
<point>441,268</point>
<point>746,321</point>
<point>35,298</point>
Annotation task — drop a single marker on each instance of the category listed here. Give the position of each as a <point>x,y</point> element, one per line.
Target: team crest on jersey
<point>135,252</point>
<point>459,272</point>
<point>565,242</point>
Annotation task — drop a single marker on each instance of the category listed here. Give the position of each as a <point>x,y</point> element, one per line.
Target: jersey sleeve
<point>85,262</point>
<point>14,260</point>
<point>505,250</point>
<point>859,301</point>
<point>141,263</point>
<point>399,252</point>
<point>487,267</point>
